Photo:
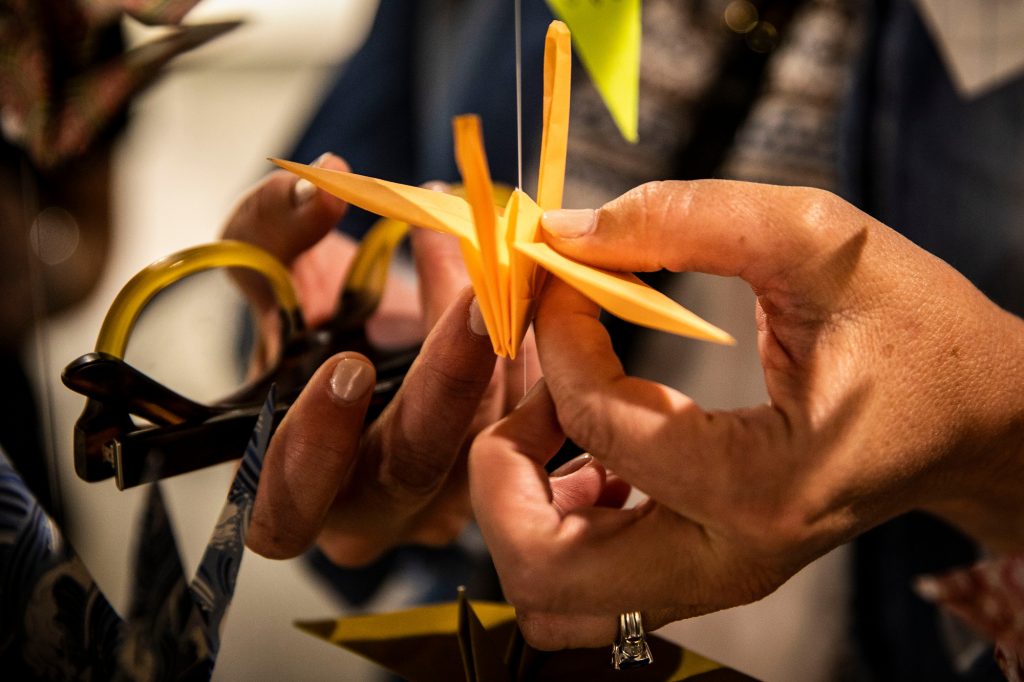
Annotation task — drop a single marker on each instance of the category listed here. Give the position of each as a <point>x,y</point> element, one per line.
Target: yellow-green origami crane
<point>607,37</point>
<point>481,642</point>
<point>503,249</point>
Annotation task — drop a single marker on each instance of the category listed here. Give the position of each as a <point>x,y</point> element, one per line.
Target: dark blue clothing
<point>947,173</point>
<point>389,112</point>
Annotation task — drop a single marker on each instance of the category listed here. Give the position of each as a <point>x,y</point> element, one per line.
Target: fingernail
<point>476,319</point>
<point>304,190</point>
<point>351,380</point>
<point>573,465</point>
<point>569,223</point>
<point>927,588</point>
<point>436,186</point>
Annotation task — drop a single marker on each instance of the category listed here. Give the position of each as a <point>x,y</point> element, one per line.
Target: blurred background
<point>201,135</point>
<point>193,143</point>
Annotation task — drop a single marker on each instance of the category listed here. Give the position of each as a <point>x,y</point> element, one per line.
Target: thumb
<point>286,215</point>
<point>719,227</point>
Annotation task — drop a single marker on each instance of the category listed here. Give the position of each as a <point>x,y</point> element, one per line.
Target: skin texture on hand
<point>894,385</point>
<point>359,490</point>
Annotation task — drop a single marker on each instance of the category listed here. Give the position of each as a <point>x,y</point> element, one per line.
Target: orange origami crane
<point>504,249</point>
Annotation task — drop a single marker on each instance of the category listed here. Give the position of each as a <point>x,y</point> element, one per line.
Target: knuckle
<point>350,551</point>
<point>540,633</point>
<point>459,387</point>
<point>756,582</point>
<point>820,210</point>
<point>657,207</point>
<point>265,538</point>
<point>527,584</point>
<point>587,425</point>
<point>415,467</point>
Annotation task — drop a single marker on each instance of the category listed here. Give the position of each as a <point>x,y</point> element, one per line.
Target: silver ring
<point>631,650</point>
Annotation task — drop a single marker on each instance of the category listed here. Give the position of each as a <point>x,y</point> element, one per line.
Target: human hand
<point>894,385</point>
<point>402,481</point>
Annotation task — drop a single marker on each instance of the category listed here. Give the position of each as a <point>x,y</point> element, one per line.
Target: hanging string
<point>525,351</point>
<point>519,89</point>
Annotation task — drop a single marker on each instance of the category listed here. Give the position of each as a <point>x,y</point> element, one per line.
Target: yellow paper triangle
<point>430,643</point>
<point>433,619</point>
<point>420,644</point>
<point>502,248</point>
<point>607,37</point>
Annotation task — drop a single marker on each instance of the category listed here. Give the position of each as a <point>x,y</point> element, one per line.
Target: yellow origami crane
<point>503,248</point>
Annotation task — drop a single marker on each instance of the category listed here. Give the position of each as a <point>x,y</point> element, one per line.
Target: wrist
<point>985,492</point>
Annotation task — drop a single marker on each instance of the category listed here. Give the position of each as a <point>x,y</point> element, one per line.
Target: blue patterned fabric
<point>55,624</point>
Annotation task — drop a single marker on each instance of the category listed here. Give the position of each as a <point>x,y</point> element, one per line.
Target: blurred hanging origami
<point>480,642</point>
<point>607,38</point>
<point>503,249</point>
<point>65,77</point>
<point>55,624</point>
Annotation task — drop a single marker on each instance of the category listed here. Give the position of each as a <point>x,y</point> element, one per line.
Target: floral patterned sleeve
<point>988,596</point>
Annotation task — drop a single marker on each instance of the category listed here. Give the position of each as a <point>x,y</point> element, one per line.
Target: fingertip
<point>477,325</point>
<point>569,223</point>
<point>305,194</point>
<point>352,379</point>
<point>577,484</point>
<point>286,215</point>
<point>437,186</point>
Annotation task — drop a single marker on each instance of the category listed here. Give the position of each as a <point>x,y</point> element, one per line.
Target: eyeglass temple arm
<point>152,454</point>
<point>116,390</point>
<point>146,455</point>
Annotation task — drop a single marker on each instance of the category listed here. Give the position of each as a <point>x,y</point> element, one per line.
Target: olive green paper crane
<point>503,249</point>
